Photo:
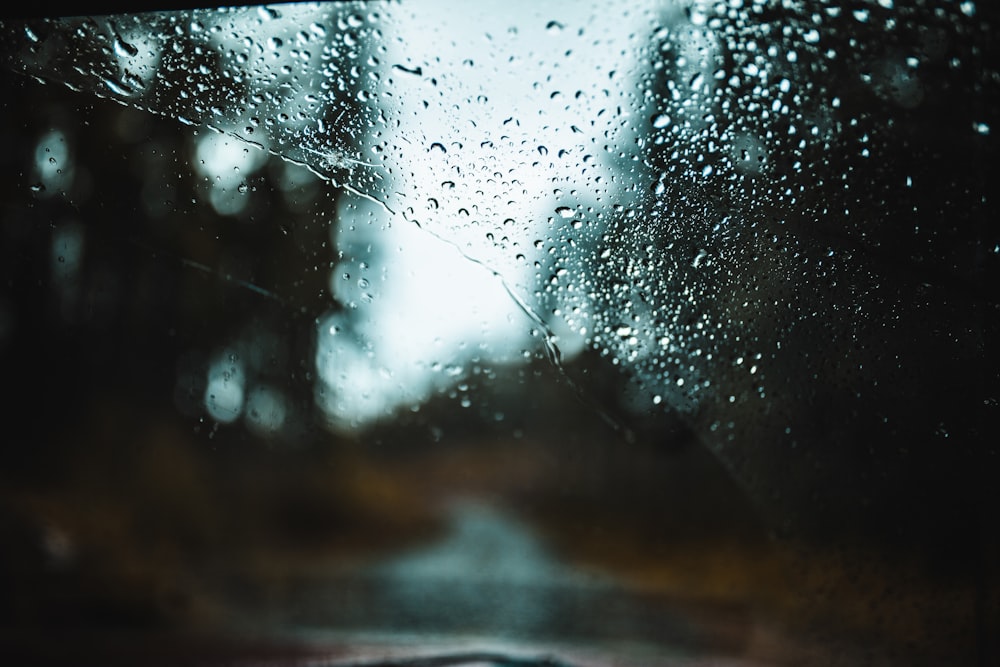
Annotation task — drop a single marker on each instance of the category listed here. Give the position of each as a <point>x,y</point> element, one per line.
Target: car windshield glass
<point>490,315</point>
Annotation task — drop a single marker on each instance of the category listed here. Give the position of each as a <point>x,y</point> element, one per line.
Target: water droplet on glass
<point>661,120</point>
<point>268,13</point>
<point>415,71</point>
<point>565,212</point>
<point>123,49</point>
<point>697,16</point>
<point>116,87</point>
<point>554,27</point>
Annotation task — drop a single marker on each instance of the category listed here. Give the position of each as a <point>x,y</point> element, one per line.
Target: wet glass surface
<point>660,332</point>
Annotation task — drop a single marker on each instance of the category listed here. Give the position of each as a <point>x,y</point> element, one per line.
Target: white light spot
<point>224,391</point>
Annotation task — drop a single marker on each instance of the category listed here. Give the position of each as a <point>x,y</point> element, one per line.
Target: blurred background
<point>653,334</point>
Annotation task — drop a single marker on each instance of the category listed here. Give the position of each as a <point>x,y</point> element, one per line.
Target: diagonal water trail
<point>552,352</point>
<point>204,268</point>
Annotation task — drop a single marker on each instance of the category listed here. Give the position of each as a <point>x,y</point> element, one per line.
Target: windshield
<point>392,319</point>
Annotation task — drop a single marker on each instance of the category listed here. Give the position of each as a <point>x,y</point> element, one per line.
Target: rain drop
<point>123,49</point>
<point>415,71</point>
